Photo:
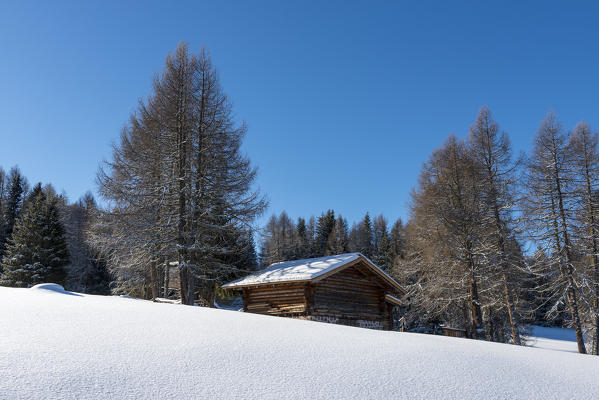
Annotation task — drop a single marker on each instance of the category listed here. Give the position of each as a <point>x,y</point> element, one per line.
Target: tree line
<point>283,239</point>
<point>493,241</point>
<point>42,238</point>
<point>178,196</point>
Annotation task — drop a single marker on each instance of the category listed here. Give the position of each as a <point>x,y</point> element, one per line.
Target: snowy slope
<point>57,345</point>
<point>553,338</point>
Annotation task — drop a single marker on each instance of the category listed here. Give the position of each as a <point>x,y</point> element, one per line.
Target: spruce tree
<point>382,245</point>
<point>339,239</point>
<point>37,250</point>
<point>397,241</point>
<point>365,237</point>
<point>324,229</point>
<point>12,208</point>
<point>302,243</point>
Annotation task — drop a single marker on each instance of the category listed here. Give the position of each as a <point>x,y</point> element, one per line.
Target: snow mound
<point>52,288</point>
<point>89,347</point>
<point>55,287</point>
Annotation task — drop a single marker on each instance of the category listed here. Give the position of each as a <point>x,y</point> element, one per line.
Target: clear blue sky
<point>344,100</point>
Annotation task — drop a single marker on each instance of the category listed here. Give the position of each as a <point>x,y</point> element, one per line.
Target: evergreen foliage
<point>365,237</point>
<point>37,250</point>
<point>324,229</point>
<point>180,192</point>
<point>338,242</point>
<point>87,271</point>
<point>15,190</point>
<point>382,256</point>
<point>283,241</point>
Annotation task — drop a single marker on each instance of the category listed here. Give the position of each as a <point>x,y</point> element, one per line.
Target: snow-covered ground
<point>553,338</point>
<point>60,345</point>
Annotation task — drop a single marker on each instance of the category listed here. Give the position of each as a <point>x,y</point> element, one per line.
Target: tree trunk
<point>190,287</point>
<point>502,254</point>
<point>183,286</point>
<point>181,239</point>
<point>490,329</point>
<point>465,309</point>
<point>506,288</point>
<point>154,281</point>
<point>593,233</point>
<point>474,302</point>
<point>510,312</point>
<point>596,336</point>
<point>571,292</point>
<point>166,279</point>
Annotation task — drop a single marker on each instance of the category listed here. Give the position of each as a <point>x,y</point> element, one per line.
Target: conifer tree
<point>491,152</point>
<point>382,245</point>
<point>311,235</point>
<point>87,271</point>
<point>365,237</point>
<point>16,187</point>
<point>549,209</point>
<point>302,245</point>
<point>339,238</point>
<point>37,250</point>
<point>324,229</point>
<point>444,273</point>
<point>279,242</point>
<point>585,162</point>
<point>3,182</point>
<point>397,241</point>
<point>178,181</point>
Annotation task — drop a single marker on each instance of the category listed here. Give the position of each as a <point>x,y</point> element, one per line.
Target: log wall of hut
<point>354,296</point>
<point>281,299</point>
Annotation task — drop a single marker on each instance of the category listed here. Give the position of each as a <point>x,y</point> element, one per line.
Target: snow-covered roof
<point>306,270</point>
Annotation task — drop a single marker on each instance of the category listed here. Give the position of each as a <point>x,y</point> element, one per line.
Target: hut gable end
<point>349,291</point>
<point>354,296</point>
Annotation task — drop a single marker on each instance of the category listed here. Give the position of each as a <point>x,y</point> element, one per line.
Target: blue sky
<point>344,100</point>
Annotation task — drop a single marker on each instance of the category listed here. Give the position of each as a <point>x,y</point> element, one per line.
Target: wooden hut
<point>346,289</point>
<point>454,332</point>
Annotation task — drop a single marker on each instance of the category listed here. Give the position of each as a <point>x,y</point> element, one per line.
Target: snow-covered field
<point>553,338</point>
<point>60,345</point>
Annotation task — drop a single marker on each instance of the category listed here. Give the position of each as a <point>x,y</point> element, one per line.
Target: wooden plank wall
<point>354,296</point>
<point>280,299</point>
<point>351,297</point>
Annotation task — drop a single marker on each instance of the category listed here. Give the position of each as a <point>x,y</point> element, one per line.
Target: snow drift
<point>58,346</point>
